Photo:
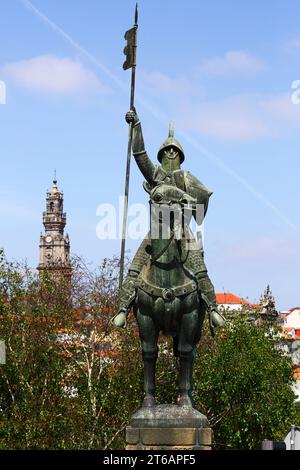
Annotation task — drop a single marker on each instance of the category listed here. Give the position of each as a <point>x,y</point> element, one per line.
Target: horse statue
<point>167,298</point>
<point>167,285</point>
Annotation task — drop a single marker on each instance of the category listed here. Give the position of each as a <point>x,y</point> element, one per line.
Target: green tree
<point>66,384</point>
<point>71,381</point>
<point>242,383</point>
<point>32,396</point>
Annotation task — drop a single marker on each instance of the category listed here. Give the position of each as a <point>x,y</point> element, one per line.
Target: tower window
<point>51,206</point>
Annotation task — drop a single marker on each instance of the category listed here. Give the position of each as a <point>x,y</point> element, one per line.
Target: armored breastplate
<point>183,180</point>
<point>171,178</point>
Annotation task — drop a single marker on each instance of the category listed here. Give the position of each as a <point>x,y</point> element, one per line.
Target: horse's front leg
<point>149,336</point>
<point>189,335</point>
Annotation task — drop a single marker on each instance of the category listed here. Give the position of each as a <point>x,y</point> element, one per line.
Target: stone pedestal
<point>168,427</point>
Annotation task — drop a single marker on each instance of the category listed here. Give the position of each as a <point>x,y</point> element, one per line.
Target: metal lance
<point>130,52</point>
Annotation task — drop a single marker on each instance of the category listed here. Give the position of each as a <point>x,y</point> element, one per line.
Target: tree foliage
<point>243,385</point>
<point>71,381</point>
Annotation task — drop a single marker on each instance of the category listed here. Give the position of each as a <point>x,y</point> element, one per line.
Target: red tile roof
<point>296,373</point>
<point>291,333</point>
<point>228,298</point>
<point>231,299</point>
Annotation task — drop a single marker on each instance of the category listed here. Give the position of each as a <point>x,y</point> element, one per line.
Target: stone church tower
<point>54,245</point>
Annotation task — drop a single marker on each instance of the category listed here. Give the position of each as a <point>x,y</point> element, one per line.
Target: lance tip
<point>136,13</point>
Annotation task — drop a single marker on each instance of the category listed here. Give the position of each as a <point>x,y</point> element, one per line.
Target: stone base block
<point>168,427</point>
<point>171,448</point>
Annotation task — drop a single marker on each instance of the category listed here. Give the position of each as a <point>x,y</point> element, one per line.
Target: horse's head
<point>171,207</point>
<point>168,195</point>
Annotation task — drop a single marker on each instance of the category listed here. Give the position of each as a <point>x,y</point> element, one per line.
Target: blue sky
<point>222,70</point>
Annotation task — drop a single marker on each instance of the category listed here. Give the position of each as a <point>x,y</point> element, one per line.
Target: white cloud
<point>48,73</point>
<point>233,62</point>
<point>15,210</point>
<point>282,109</point>
<point>293,44</point>
<point>264,249</point>
<point>242,117</point>
<point>234,118</point>
<point>158,82</point>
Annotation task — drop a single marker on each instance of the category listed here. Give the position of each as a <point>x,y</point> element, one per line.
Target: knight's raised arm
<point>138,147</point>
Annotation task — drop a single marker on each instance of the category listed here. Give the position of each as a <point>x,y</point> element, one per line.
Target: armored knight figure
<point>170,156</point>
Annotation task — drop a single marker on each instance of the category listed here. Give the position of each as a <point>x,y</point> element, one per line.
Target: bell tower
<point>54,245</point>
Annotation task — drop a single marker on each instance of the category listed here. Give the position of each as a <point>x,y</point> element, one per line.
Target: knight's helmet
<point>170,142</point>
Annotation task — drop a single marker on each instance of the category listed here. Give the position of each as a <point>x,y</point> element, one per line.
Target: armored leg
<point>186,365</point>
<point>204,283</point>
<point>206,290</point>
<point>128,290</point>
<point>189,335</point>
<point>149,380</point>
<point>149,336</point>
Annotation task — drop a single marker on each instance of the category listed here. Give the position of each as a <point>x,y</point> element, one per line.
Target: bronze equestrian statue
<point>167,284</point>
